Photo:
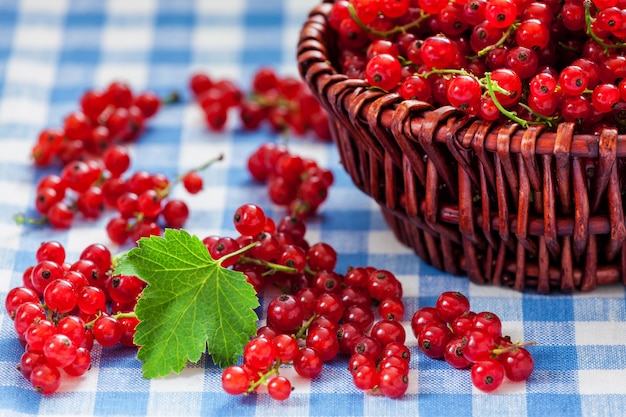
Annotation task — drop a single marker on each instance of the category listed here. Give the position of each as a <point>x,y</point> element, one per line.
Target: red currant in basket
<point>438,52</point>
<point>383,71</point>
<point>464,92</point>
<point>500,13</point>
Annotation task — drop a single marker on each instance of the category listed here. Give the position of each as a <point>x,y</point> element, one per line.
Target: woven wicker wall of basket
<point>499,203</point>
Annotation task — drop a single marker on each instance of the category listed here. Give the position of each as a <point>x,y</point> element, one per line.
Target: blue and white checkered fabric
<point>52,51</point>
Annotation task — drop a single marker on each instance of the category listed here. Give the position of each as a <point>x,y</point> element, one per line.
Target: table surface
<point>52,51</point>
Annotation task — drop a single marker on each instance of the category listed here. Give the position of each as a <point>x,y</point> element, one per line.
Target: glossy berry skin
<point>393,382</point>
<point>285,313</point>
<point>489,322</point>
<point>388,331</point>
<point>478,345</point>
<point>487,374</point>
<point>44,273</point>
<point>279,388</point>
<point>391,309</point>
<point>324,342</point>
<point>51,250</point>
<point>25,315</point>
<point>81,364</point>
<point>259,353</point>
<point>107,331</point>
<point>383,71</point>
<point>175,213</point>
<point>59,350</point>
<point>438,52</point>
<point>464,92</point>
<point>29,360</point>
<point>18,296</point>
<point>367,346</point>
<point>432,340</point>
<point>423,317</point>
<point>60,295</point>
<point>286,347</point>
<point>347,334</point>
<point>383,284</point>
<point>38,332</point>
<point>45,378</point>
<point>365,377</point>
<point>451,304</point>
<point>510,81</point>
<point>308,363</point>
<point>321,256</point>
<point>453,354</point>
<point>500,13</point>
<point>573,80</point>
<point>329,305</point>
<point>235,380</point>
<point>249,219</point>
<point>193,182</point>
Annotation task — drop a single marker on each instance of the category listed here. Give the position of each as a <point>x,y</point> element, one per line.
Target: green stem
<point>444,71</point>
<point>263,379</point>
<point>166,191</point>
<point>20,218</point>
<point>589,30</point>
<point>171,98</point>
<point>271,265</point>
<point>510,348</point>
<point>115,259</point>
<point>548,121</point>
<point>385,34</point>
<point>511,29</point>
<point>127,315</point>
<point>303,329</point>
<point>491,90</point>
<point>237,252</point>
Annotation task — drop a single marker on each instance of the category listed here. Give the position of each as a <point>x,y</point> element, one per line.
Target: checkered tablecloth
<point>51,51</point>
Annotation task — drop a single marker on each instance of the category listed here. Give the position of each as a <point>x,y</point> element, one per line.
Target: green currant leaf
<point>190,303</point>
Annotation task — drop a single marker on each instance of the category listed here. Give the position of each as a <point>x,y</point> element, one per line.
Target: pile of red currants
<point>284,103</point>
<point>294,181</point>
<point>319,314</point>
<point>525,61</point>
<point>64,306</point>
<point>105,117</point>
<point>466,339</point>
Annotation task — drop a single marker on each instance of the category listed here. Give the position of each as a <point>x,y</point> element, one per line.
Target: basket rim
<point>316,67</point>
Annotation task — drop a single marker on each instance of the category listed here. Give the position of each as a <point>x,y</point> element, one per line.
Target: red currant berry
<point>235,380</point>
<point>487,374</point>
<point>249,219</point>
<point>285,313</point>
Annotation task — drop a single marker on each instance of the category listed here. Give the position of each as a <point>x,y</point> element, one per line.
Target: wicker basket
<point>526,208</point>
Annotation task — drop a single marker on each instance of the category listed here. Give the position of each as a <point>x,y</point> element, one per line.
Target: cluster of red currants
<point>114,115</point>
<point>319,314</point>
<point>142,199</point>
<point>530,62</point>
<point>91,147</point>
<point>284,103</point>
<point>466,339</point>
<point>144,205</point>
<point>62,308</point>
<point>293,181</point>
